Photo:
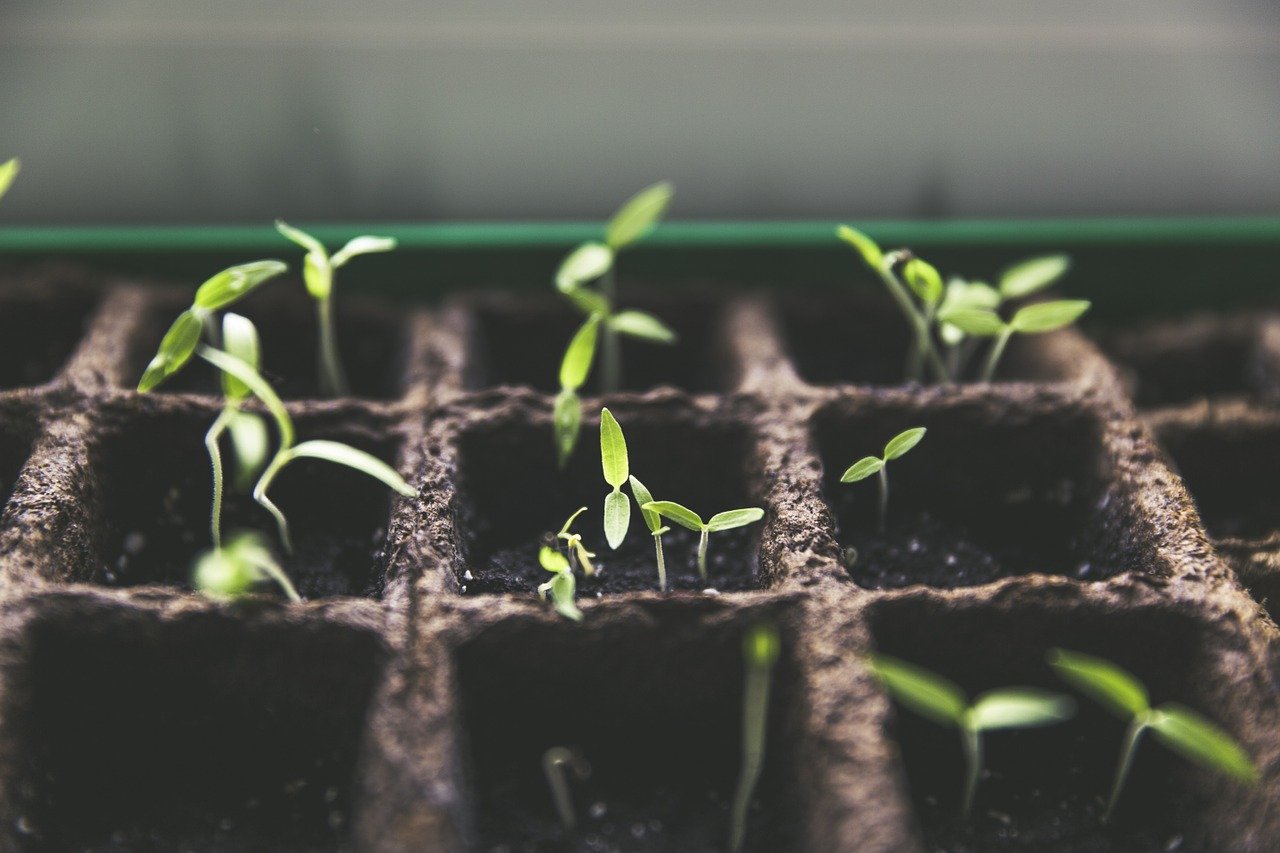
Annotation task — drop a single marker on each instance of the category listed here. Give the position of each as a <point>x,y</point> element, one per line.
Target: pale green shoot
<point>760,649</point>
<point>574,369</point>
<point>896,447</point>
<point>613,461</point>
<point>690,520</point>
<point>232,570</point>
<point>656,528</point>
<point>554,762</point>
<point>8,171</point>
<point>318,269</point>
<point>573,543</point>
<point>1032,276</point>
<point>1177,727</point>
<point>562,586</point>
<point>1034,319</point>
<point>941,701</point>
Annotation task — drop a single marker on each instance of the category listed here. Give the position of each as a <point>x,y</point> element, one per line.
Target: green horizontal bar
<point>1200,231</point>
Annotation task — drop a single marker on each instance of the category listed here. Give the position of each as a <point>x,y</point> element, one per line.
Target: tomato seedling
<point>897,447</point>
<point>760,649</point>
<point>690,520</point>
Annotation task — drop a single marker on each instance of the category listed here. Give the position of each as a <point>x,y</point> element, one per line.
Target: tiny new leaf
<point>234,283</point>
<point>1102,681</point>
<point>366,245</point>
<point>1019,707</point>
<point>638,324</point>
<point>865,245</point>
<point>732,518</point>
<point>652,520</point>
<point>1194,737</point>
<point>928,694</point>
<point>901,443</point>
<point>680,515</point>
<point>979,322</point>
<point>613,450</point>
<point>579,355</point>
<point>585,263</point>
<point>1032,275</point>
<point>617,518</point>
<point>8,171</point>
<point>1048,316</point>
<point>638,215</point>
<point>924,280</point>
<point>351,457</point>
<point>176,349</point>
<point>862,469</point>
<point>568,421</point>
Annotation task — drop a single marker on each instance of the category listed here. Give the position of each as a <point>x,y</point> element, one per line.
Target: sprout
<point>760,649</point>
<point>1179,728</point>
<point>554,761</point>
<point>687,518</point>
<point>317,273</point>
<point>656,528</point>
<point>562,586</point>
<point>1033,319</point>
<point>898,446</point>
<point>942,702</point>
<point>231,570</point>
<point>613,459</point>
<point>8,171</point>
<point>573,543</point>
<point>573,372</point>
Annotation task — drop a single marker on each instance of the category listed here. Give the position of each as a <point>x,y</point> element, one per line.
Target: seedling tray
<point>405,704</point>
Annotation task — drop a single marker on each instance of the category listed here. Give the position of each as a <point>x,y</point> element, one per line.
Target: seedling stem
<point>690,520</point>
<point>895,448</point>
<point>554,762</point>
<point>760,649</point>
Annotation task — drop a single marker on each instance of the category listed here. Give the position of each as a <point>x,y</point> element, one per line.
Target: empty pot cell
<point>154,487</point>
<point>655,709</point>
<point>1174,362</point>
<point>371,345</point>
<point>514,497</point>
<point>860,337</point>
<point>993,490</point>
<point>39,332</point>
<point>1046,788</point>
<point>522,340</point>
<point>137,732</point>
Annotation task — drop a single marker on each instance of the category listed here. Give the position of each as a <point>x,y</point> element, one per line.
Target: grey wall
<point>157,110</point>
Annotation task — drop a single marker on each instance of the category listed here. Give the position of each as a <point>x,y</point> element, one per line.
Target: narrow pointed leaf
<point>862,469</point>
<point>638,215</point>
<point>638,324</point>
<point>366,463</point>
<point>1048,316</point>
<point>617,518</point>
<point>240,339</point>
<point>924,692</point>
<point>301,238</point>
<point>234,283</point>
<point>1194,737</point>
<point>1019,708</point>
<point>1102,681</point>
<point>567,418</point>
<point>8,171</point>
<point>924,280</point>
<point>563,589</point>
<point>564,530</point>
<point>979,322</point>
<point>365,245</point>
<point>613,450</point>
<point>584,264</point>
<point>259,386</point>
<point>581,352</point>
<point>1032,275</point>
<point>734,518</point>
<point>251,442</point>
<point>969,294</point>
<point>176,349</point>
<point>865,245</point>
<point>675,512</point>
<point>651,519</point>
<point>901,443</point>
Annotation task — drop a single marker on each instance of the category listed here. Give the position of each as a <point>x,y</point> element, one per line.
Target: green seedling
<point>288,451</point>
<point>554,762</point>
<point>573,544</point>
<point>656,528</point>
<point>232,570</point>
<point>1177,727</point>
<point>897,447</point>
<point>941,701</point>
<point>318,270</point>
<point>1034,319</point>
<point>760,649</point>
<point>613,460</point>
<point>689,519</point>
<point>8,171</point>
<point>562,587</point>
<point>574,370</point>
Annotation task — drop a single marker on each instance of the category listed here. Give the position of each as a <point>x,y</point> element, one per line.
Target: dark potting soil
<point>731,565</point>
<point>38,336</point>
<point>1231,473</point>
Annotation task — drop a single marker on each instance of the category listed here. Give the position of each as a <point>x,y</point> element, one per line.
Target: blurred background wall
<point>243,110</point>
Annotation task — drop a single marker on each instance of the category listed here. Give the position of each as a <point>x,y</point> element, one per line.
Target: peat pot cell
<point>522,342</point>
<point>371,344</point>
<point>204,734</point>
<point>655,710</point>
<point>514,497</point>
<point>154,491</point>
<point>861,338</point>
<point>991,492</point>
<point>1046,788</point>
<point>39,334</point>
<point>15,447</point>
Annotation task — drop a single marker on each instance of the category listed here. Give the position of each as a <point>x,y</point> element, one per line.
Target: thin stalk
<point>953,359</point>
<point>215,458</point>
<point>926,341</point>
<point>610,342</point>
<point>972,740</point>
<point>260,495</point>
<point>884,499</point>
<point>278,575</point>
<point>1127,751</point>
<point>333,380</point>
<point>554,761</point>
<point>662,563</point>
<point>923,341</point>
<point>702,553</point>
<point>997,350</point>
<point>755,713</point>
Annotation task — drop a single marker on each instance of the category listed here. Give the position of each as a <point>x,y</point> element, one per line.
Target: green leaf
<point>302,238</point>
<point>979,322</point>
<point>1103,681</point>
<point>862,469</point>
<point>1032,275</point>
<point>588,301</point>
<point>1019,708</point>
<point>234,283</point>
<point>651,519</point>
<point>8,171</point>
<point>613,450</point>
<point>317,275</point>
<point>176,348</point>
<point>617,518</point>
<point>259,386</point>
<point>1048,316</point>
<point>365,245</point>
<point>552,560</point>
<point>223,573</point>
<point>365,463</point>
<point>563,589</point>
<point>578,357</point>
<point>1194,737</point>
<point>761,646</point>
<point>680,515</point>
<point>865,245</point>
<point>252,444</point>
<point>638,215</point>
<point>924,692</point>
<point>567,418</point>
<point>732,518</point>
<point>969,294</point>
<point>901,443</point>
<point>638,324</point>
<point>564,530</point>
<point>240,339</point>
<point>924,280</point>
<point>586,263</point>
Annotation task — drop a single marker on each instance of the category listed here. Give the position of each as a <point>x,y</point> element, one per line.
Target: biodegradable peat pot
<point>405,705</point>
